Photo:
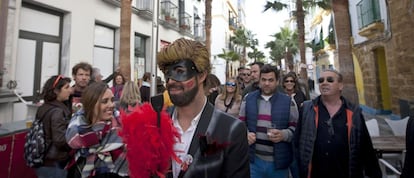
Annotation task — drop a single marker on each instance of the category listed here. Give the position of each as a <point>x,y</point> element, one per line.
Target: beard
<point>185,98</point>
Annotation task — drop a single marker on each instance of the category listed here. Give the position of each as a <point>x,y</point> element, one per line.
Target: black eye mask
<point>181,71</point>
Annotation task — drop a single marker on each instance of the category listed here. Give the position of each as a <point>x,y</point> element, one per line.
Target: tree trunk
<point>343,46</point>
<point>208,25</point>
<point>125,42</point>
<point>243,62</point>
<point>300,16</point>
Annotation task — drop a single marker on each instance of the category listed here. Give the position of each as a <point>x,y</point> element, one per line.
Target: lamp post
<point>197,21</point>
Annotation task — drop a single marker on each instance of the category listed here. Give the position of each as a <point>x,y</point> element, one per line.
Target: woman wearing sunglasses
<point>291,89</point>
<point>229,101</point>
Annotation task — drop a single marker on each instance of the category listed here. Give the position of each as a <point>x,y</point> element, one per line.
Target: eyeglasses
<point>289,81</point>
<point>57,80</point>
<point>231,84</point>
<point>328,79</point>
<point>245,74</point>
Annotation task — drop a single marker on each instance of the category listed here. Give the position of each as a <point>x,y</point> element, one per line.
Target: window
<point>368,12</point>
<point>103,50</point>
<point>39,48</point>
<point>139,55</point>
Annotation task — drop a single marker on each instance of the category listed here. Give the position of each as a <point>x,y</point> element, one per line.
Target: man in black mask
<point>210,139</point>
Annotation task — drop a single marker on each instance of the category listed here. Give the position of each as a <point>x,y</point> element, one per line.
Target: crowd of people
<point>257,124</point>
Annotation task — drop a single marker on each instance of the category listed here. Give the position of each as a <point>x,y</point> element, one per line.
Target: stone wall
<point>364,53</point>
<point>399,52</point>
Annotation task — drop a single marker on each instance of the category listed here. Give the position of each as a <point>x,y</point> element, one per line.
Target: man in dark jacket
<point>271,119</point>
<point>213,144</point>
<point>408,170</point>
<point>331,138</point>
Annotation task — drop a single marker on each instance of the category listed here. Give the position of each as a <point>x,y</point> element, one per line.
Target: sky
<point>263,24</point>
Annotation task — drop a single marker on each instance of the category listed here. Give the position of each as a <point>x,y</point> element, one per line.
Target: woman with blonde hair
<point>230,99</point>
<point>130,96</point>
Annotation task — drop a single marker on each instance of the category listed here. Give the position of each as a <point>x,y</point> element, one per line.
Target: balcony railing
<point>233,23</point>
<point>199,32</point>
<point>368,12</point>
<point>185,22</point>
<point>169,12</point>
<point>145,5</point>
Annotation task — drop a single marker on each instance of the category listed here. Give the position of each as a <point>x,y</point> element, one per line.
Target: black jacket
<point>408,170</point>
<point>362,157</point>
<point>55,123</point>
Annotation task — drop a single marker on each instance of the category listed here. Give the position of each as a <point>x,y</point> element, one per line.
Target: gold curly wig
<point>184,49</point>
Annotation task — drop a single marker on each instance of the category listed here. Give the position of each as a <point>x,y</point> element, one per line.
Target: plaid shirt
<point>99,144</point>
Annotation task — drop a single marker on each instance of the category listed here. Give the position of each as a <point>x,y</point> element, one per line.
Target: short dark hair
<point>260,64</point>
<point>268,69</point>
<point>146,76</point>
<point>240,68</point>
<point>82,65</point>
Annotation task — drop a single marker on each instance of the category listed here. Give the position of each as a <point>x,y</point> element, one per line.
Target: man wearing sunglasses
<point>213,144</point>
<point>331,138</point>
<point>243,77</point>
<point>254,77</point>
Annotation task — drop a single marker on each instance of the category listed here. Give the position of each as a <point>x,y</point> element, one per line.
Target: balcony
<point>185,23</point>
<point>369,18</point>
<point>372,30</point>
<point>169,14</point>
<point>144,8</point>
<point>233,23</point>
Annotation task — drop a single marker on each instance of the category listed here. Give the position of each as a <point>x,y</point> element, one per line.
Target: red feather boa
<point>149,148</point>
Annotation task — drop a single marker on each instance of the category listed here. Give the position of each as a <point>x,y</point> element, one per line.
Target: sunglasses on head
<point>289,81</point>
<point>231,84</point>
<point>57,80</point>
<point>328,79</point>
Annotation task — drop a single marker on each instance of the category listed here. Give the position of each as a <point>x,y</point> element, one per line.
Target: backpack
<point>36,146</point>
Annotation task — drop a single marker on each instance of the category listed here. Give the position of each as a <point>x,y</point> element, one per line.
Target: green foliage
<point>229,55</point>
<point>276,5</point>
<point>285,41</point>
<point>241,37</point>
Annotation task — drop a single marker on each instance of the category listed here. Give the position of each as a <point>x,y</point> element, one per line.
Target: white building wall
<point>80,17</point>
<point>219,37</point>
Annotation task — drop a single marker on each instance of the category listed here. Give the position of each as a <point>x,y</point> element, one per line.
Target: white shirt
<point>181,148</point>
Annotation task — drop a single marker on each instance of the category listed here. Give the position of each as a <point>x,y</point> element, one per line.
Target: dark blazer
<point>230,161</point>
<point>408,170</point>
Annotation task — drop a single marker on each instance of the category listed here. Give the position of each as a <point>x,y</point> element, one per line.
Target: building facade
<point>383,48</point>
<point>42,38</point>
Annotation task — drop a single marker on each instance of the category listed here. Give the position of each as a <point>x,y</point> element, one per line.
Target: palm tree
<point>343,46</point>
<point>284,46</point>
<point>208,25</point>
<point>256,55</point>
<point>125,48</point>
<point>228,56</point>
<point>300,16</point>
<point>242,38</point>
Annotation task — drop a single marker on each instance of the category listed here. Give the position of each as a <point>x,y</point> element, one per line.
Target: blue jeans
<point>264,169</point>
<point>51,172</point>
